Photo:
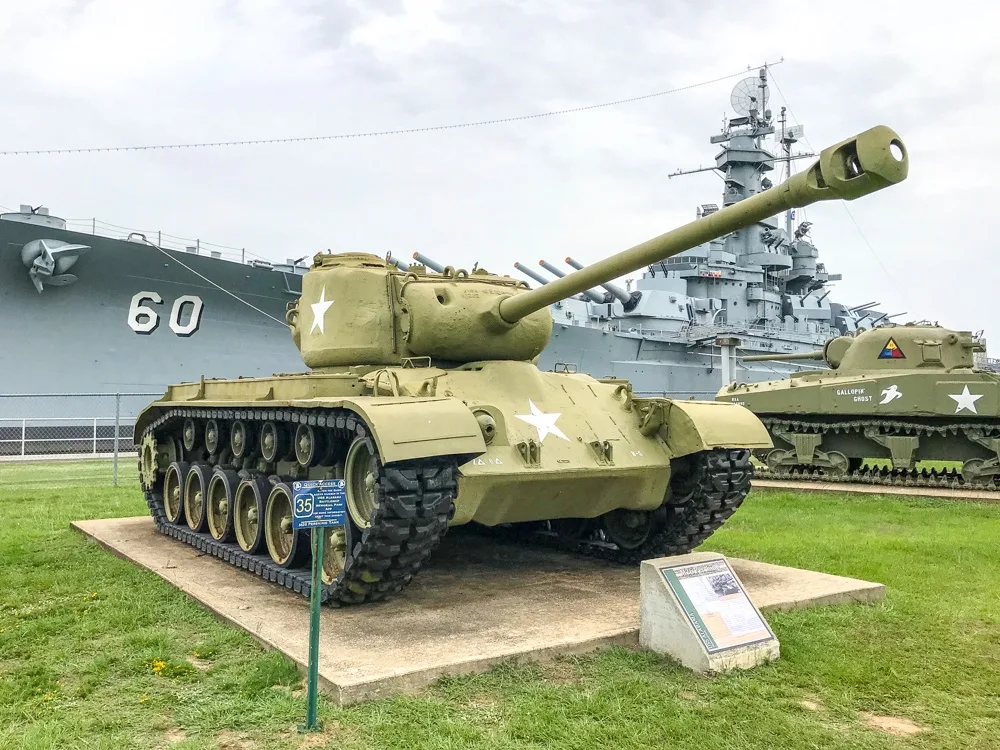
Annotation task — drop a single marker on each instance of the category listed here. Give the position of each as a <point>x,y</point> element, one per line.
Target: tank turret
<point>891,348</point>
<point>358,309</point>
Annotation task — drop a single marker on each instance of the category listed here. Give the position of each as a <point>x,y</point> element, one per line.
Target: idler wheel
<point>629,529</point>
<point>240,439</point>
<point>274,443</point>
<point>334,552</point>
<point>215,435</point>
<point>308,445</point>
<point>190,434</point>
<point>195,486</point>
<point>248,513</point>
<point>361,482</point>
<point>286,546</point>
<point>220,498</point>
<point>173,491</point>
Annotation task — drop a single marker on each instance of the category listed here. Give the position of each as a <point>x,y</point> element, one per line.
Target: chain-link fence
<point>69,437</point>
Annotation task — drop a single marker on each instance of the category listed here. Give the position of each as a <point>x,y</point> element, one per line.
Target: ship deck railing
<point>164,240</point>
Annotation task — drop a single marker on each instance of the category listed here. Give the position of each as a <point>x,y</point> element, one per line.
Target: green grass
<point>97,653</point>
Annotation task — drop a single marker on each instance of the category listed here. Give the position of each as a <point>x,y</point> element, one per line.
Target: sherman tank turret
<point>894,397</point>
<point>423,395</point>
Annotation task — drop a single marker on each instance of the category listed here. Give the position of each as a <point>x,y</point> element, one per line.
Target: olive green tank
<point>894,398</point>
<point>423,395</point>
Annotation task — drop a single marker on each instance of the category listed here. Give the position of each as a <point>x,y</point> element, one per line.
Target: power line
<point>375,133</point>
<point>842,203</point>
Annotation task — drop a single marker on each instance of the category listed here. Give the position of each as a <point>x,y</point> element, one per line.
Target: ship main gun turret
<point>628,299</point>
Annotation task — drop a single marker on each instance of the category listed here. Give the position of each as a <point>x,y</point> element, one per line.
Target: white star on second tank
<point>319,311</point>
<point>544,423</point>
<point>965,400</point>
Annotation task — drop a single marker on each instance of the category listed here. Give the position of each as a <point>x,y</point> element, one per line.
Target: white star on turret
<point>319,311</point>
<point>965,400</point>
<point>544,423</point>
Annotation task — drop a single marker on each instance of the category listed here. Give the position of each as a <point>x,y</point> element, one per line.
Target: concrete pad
<point>983,496</point>
<point>477,602</point>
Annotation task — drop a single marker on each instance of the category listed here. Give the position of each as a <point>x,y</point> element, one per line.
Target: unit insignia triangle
<point>319,311</point>
<point>891,350</point>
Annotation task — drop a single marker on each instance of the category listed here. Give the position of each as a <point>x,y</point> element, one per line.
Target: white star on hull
<point>965,400</point>
<point>544,423</point>
<point>319,311</point>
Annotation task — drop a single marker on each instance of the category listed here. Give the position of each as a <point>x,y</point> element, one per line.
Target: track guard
<point>693,426</point>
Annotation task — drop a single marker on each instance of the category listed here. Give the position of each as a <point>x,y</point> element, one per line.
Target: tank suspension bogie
<point>248,513</point>
<point>220,498</point>
<point>242,510</point>
<point>286,545</point>
<point>884,451</point>
<point>195,484</point>
<point>173,491</point>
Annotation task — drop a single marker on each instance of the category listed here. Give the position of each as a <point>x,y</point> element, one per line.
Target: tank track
<point>946,479</point>
<point>417,501</point>
<point>705,489</point>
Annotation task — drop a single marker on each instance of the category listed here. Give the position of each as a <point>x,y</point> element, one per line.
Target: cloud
<point>110,72</point>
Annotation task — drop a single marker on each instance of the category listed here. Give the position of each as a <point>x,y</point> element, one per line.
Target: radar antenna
<point>750,96</point>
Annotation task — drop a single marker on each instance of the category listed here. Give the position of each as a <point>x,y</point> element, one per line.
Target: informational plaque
<point>716,605</point>
<point>317,503</point>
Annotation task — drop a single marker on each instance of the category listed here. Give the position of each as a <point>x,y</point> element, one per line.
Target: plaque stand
<point>694,609</point>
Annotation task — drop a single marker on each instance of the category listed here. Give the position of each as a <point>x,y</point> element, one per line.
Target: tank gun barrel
<point>588,293</point>
<point>613,289</point>
<point>850,169</point>
<point>787,357</point>
<point>531,274</point>
<point>431,264</point>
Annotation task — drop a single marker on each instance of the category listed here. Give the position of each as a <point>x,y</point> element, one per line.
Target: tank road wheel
<point>248,511</point>
<point>628,529</point>
<point>241,440</point>
<point>215,436</point>
<point>308,445</point>
<point>220,499</point>
<point>149,462</point>
<point>195,485</point>
<point>334,553</point>
<point>190,434</point>
<point>274,444</point>
<point>286,546</point>
<point>361,482</point>
<point>173,491</point>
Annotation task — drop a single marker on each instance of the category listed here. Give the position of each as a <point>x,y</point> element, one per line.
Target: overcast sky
<point>118,72</point>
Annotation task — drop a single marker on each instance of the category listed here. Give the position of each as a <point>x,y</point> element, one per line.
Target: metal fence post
<point>23,423</point>
<point>95,436</point>
<point>118,412</point>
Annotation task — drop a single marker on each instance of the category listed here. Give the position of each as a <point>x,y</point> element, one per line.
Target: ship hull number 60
<point>143,319</point>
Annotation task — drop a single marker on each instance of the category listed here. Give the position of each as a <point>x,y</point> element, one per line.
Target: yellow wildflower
<point>142,699</point>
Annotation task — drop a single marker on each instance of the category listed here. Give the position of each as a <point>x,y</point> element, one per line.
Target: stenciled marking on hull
<point>143,319</point>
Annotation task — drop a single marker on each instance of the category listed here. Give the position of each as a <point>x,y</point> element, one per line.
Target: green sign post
<point>317,505</point>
